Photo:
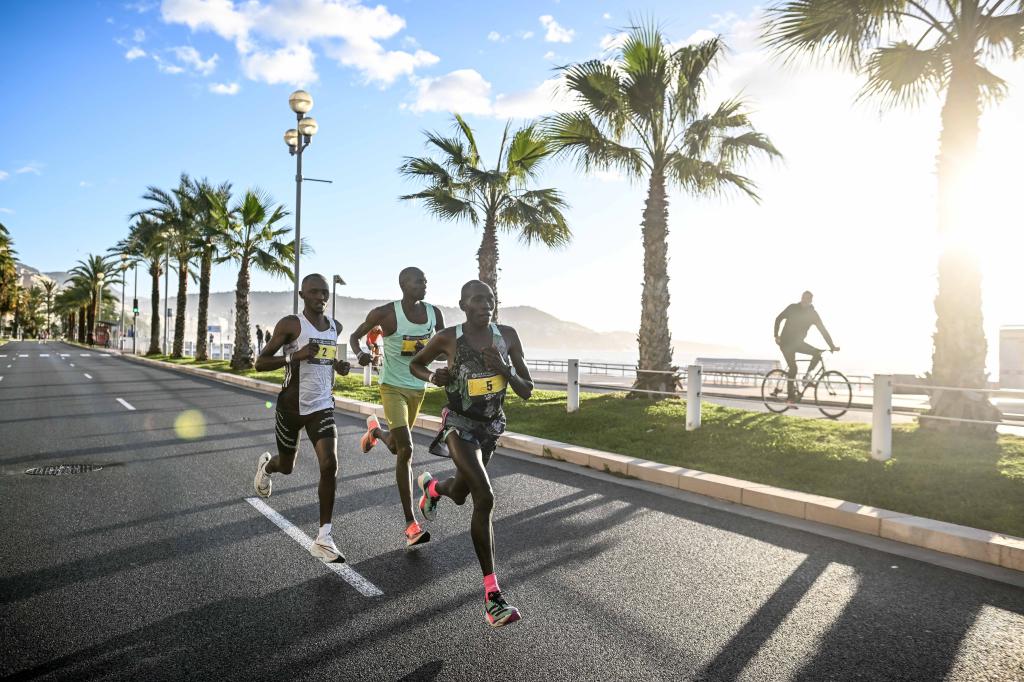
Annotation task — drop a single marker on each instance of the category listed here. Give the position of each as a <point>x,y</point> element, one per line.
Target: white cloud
<point>612,41</point>
<point>550,55</point>
<point>292,64</point>
<point>140,7</point>
<point>606,16</point>
<point>464,91</point>
<point>139,35</point>
<point>224,88</point>
<point>556,33</point>
<point>134,53</point>
<point>349,31</point>
<point>4,175</point>
<point>190,56</point>
<point>547,98</point>
<point>164,67</point>
<point>84,183</point>
<point>494,36</point>
<point>525,35</point>
<point>33,167</point>
<point>9,211</point>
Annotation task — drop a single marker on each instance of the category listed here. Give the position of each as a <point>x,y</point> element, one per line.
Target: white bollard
<point>573,385</point>
<point>368,375</point>
<point>881,418</point>
<point>693,381</point>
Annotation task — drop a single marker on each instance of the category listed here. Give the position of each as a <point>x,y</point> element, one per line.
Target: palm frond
<point>692,65</point>
<point>597,88</point>
<point>528,150</point>
<point>467,132</point>
<point>444,205</point>
<point>735,149</point>
<point>901,74</point>
<point>1002,35</point>
<point>705,178</point>
<point>536,216</point>
<point>578,136</point>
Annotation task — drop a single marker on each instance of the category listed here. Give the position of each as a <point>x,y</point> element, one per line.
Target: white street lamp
<point>298,139</point>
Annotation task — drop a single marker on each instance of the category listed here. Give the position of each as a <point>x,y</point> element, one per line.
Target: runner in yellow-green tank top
<point>407,324</point>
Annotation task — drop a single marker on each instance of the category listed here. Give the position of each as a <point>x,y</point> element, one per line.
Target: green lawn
<point>967,481</point>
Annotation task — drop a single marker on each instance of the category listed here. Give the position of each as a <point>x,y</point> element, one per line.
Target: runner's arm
<point>439,344</point>
<point>520,381</point>
<point>285,331</point>
<point>373,318</point>
<point>439,324</point>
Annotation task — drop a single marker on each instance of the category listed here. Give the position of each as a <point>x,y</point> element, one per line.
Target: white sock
<point>325,531</point>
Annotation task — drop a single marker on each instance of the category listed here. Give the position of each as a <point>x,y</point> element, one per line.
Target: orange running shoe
<point>368,441</point>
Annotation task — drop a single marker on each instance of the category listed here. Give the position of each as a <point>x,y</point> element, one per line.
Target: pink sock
<point>491,584</point>
<point>432,489</point>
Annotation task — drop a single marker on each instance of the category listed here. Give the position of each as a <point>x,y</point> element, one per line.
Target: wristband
<point>430,379</point>
<point>287,358</point>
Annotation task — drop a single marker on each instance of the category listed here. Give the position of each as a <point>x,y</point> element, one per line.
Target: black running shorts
<point>318,425</point>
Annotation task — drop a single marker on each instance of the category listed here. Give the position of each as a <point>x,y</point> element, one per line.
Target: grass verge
<point>972,482</point>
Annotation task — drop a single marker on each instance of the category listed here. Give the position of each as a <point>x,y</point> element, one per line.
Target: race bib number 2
<point>325,354</point>
<point>486,385</point>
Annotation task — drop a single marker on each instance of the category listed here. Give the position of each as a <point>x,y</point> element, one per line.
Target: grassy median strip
<point>973,482</point>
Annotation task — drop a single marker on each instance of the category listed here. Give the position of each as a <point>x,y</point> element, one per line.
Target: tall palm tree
<point>944,47</point>
<point>174,209</point>
<point>253,241</point>
<point>460,186</point>
<point>49,290</point>
<point>8,271</point>
<point>96,272</point>
<point>641,113</point>
<point>145,244</point>
<point>203,198</point>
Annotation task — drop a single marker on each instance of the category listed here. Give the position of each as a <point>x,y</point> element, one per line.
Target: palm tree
<point>49,289</point>
<point>640,113</point>
<point>145,244</point>
<point>204,197</point>
<point>8,271</point>
<point>174,209</point>
<point>945,48</point>
<point>253,240</point>
<point>96,272</point>
<point>460,186</point>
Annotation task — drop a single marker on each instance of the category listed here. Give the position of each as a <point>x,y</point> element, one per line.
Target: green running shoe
<point>428,504</point>
<point>498,611</point>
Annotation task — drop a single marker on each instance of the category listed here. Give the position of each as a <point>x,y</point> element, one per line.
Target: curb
<point>984,546</point>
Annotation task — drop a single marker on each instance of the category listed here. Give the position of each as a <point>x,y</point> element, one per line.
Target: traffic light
<point>135,306</point>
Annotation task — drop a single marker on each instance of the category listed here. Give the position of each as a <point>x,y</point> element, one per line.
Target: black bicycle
<point>833,393</point>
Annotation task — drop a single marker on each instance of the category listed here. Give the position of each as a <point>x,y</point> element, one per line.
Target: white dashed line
<point>1,378</point>
<point>125,403</point>
<point>104,355</point>
<point>85,355</point>
<point>87,376</point>
<point>44,355</point>
<point>344,571</point>
<point>71,364</point>
<point>3,355</point>
<point>22,355</point>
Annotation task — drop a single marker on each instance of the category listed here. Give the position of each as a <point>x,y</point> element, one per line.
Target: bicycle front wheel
<point>773,390</point>
<point>834,394</point>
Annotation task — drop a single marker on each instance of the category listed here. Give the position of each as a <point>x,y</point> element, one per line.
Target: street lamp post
<point>100,277</point>
<point>167,283</point>
<point>334,300</point>
<point>135,307</point>
<point>120,331</point>
<point>298,139</point>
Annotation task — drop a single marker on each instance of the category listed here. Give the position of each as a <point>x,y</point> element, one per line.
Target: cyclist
<point>799,318</point>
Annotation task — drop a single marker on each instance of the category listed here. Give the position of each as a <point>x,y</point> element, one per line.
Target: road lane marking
<point>1,378</point>
<point>3,355</point>
<point>22,355</point>
<point>87,376</point>
<point>44,355</point>
<point>122,401</point>
<point>85,355</point>
<point>104,355</point>
<point>71,364</point>
<point>344,571</point>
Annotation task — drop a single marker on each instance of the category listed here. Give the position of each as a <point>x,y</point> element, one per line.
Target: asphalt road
<point>156,567</point>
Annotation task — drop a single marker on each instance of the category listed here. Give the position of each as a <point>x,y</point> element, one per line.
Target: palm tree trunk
<point>154,324</point>
<point>205,268</point>
<point>487,258</point>
<point>81,325</point>
<point>241,358</point>
<point>655,341</point>
<point>179,312</point>
<point>960,347</point>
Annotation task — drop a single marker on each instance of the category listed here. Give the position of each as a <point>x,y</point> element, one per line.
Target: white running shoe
<point>262,481</point>
<point>324,549</point>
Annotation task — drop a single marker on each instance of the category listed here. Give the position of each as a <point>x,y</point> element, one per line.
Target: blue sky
<point>113,96</point>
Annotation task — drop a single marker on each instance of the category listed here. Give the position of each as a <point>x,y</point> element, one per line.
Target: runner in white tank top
<point>309,341</point>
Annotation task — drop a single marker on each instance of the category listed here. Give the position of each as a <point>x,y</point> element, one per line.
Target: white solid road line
<point>344,571</point>
<point>87,376</point>
<point>122,400</point>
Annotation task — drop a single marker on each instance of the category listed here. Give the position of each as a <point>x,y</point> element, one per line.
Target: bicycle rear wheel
<point>773,390</point>
<point>834,394</point>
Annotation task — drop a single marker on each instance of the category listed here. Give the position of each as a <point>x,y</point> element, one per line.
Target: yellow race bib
<point>411,345</point>
<point>486,385</point>
<point>325,354</point>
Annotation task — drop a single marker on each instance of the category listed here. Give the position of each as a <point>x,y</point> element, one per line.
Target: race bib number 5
<point>486,385</point>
